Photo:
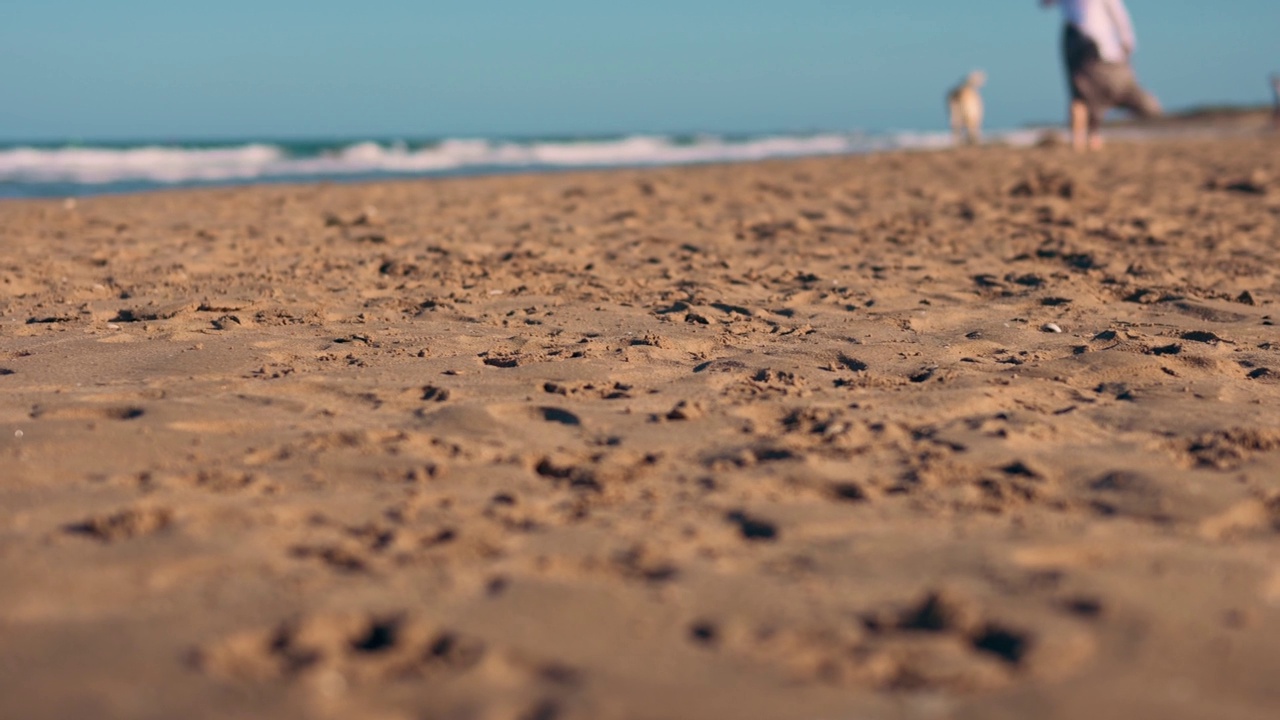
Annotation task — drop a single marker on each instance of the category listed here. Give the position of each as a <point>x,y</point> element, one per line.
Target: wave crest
<point>171,165</point>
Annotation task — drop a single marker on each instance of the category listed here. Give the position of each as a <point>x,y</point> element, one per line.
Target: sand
<point>990,433</point>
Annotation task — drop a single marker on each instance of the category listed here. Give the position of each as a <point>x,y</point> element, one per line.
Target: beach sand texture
<point>796,439</point>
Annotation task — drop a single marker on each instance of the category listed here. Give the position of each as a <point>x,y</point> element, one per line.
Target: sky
<point>177,69</point>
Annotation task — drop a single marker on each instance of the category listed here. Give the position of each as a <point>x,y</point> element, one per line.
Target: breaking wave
<point>75,170</point>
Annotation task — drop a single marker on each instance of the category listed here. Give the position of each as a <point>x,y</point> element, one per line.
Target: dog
<point>964,103</point>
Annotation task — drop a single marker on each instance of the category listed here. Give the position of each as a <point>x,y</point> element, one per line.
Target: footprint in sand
<point>342,648</point>
<point>126,524</point>
<point>87,412</point>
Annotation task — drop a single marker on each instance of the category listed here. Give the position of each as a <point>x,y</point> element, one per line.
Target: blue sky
<point>169,69</point>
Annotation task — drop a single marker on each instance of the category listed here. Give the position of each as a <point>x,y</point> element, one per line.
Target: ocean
<point>29,170</point>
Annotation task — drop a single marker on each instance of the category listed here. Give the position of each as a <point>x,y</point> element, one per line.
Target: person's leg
<point>1096,113</point>
<point>1080,56</point>
<point>1128,95</point>
<point>1147,105</point>
<point>1275,89</point>
<point>1105,85</point>
<point>1080,130</point>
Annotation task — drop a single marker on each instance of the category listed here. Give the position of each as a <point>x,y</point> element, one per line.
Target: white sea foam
<point>162,165</point>
<point>158,164</point>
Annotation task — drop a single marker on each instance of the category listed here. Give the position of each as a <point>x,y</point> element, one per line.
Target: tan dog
<point>965,105</point>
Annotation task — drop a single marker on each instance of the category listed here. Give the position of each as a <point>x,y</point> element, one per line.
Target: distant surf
<point>73,169</point>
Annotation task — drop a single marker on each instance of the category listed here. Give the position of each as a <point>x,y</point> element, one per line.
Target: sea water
<point>88,168</point>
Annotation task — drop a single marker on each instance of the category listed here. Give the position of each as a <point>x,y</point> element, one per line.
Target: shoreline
<point>1192,125</point>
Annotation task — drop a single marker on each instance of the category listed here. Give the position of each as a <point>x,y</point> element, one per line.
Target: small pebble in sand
<point>17,433</point>
<point>1051,328</point>
<point>496,292</point>
<point>112,326</point>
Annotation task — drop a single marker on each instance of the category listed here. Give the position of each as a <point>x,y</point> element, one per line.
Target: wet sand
<point>990,433</point>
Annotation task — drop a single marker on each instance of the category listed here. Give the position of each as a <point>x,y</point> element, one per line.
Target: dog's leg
<point>973,125</point>
<point>957,121</point>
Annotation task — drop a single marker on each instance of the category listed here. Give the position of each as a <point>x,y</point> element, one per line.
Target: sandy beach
<point>989,433</point>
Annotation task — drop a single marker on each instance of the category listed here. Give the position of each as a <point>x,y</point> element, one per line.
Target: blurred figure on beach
<point>964,102</point>
<point>1275,91</point>
<point>1097,44</point>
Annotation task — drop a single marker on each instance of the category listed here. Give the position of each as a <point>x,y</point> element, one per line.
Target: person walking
<point>1275,90</point>
<point>1097,44</point>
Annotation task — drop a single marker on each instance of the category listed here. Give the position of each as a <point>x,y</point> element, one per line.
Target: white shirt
<point>1106,22</point>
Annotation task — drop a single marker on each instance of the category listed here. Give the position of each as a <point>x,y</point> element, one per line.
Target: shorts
<point>1102,85</point>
